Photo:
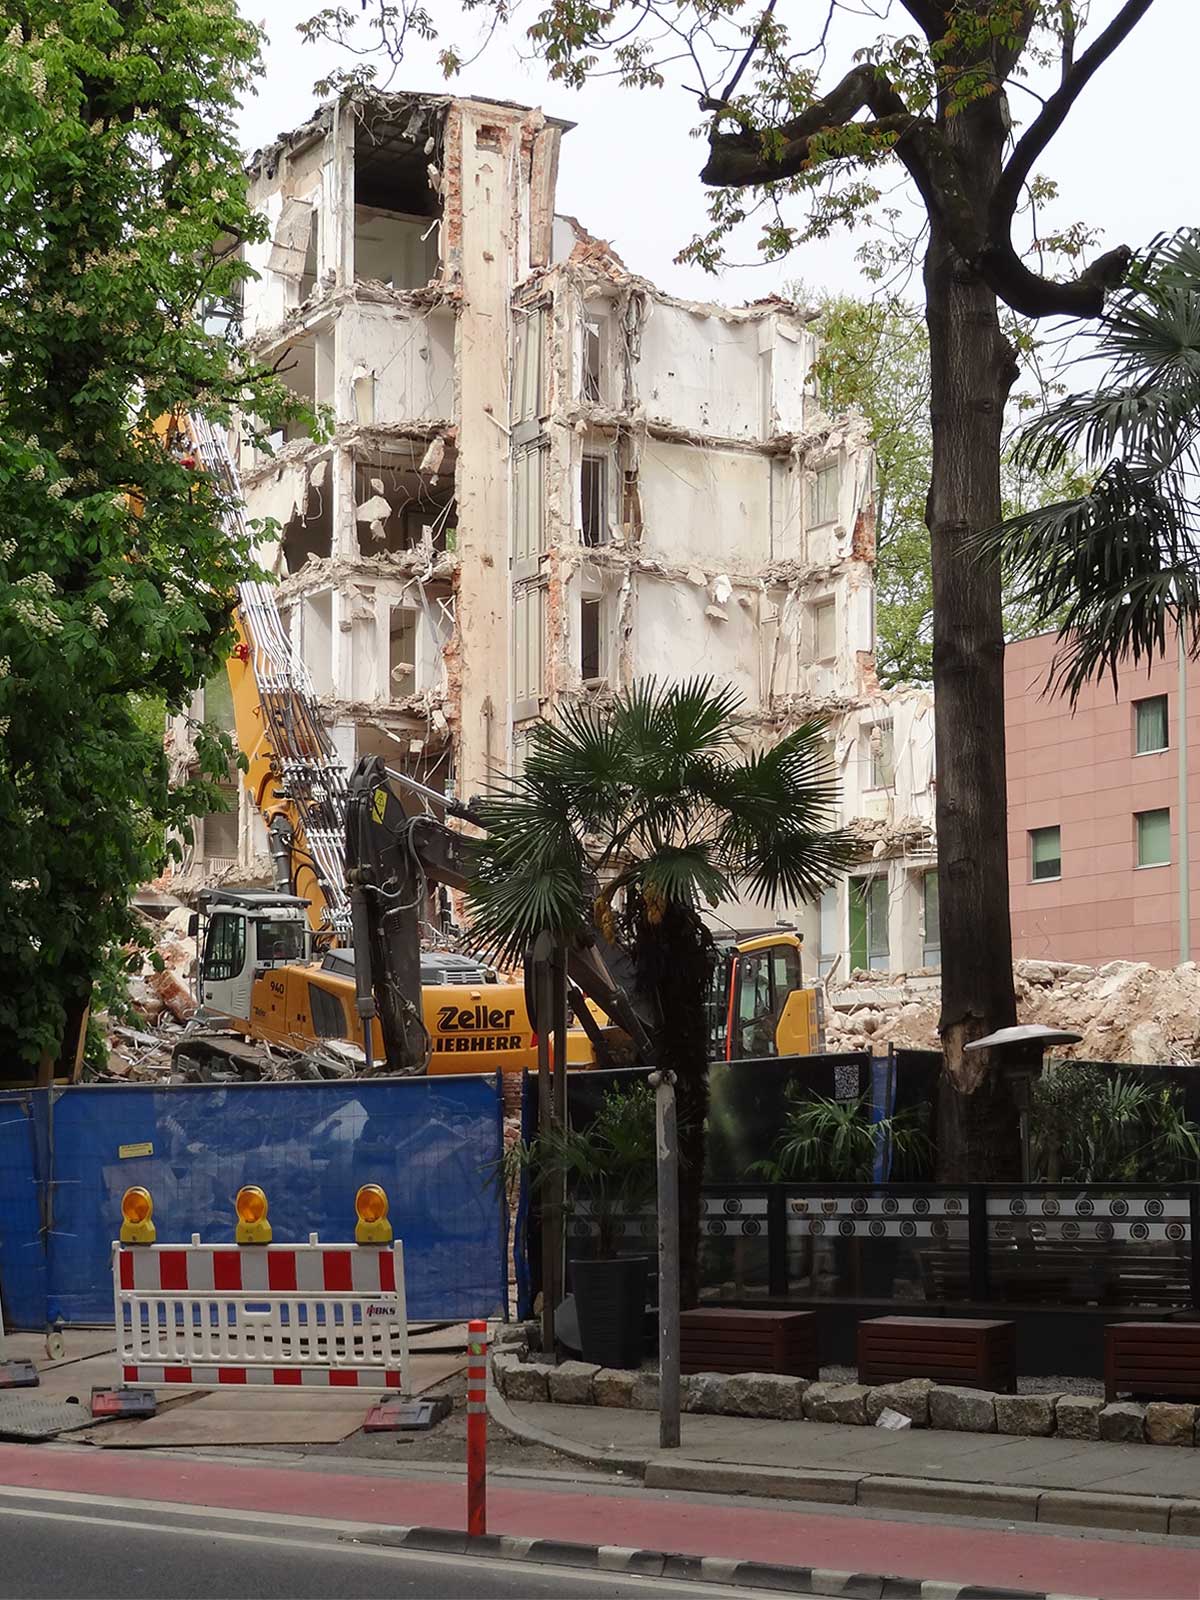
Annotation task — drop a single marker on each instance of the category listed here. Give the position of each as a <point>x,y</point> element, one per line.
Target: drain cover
<point>23,1416</point>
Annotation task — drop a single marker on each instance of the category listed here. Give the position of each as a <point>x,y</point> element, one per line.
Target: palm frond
<point>1118,566</point>
<point>1115,569</point>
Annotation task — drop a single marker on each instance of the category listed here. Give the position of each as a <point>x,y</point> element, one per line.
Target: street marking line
<point>349,1546</point>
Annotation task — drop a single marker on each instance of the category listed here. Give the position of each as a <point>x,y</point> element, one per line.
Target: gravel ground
<point>1051,1385</point>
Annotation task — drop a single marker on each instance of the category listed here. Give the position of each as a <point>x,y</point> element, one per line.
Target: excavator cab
<point>242,934</point>
<point>757,1003</point>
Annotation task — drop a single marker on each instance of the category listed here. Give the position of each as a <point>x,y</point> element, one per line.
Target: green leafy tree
<point>124,200</point>
<point>654,800</point>
<point>801,150</point>
<point>875,359</point>
<point>1116,565</point>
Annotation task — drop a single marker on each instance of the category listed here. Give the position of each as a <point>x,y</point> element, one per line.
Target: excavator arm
<point>391,859</point>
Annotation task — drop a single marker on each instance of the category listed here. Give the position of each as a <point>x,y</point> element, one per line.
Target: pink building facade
<point>1094,812</point>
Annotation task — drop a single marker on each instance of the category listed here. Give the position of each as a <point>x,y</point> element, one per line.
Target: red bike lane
<point>1057,1563</point>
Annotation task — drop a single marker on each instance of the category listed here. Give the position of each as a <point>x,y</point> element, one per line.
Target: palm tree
<point>1118,566</point>
<point>629,817</point>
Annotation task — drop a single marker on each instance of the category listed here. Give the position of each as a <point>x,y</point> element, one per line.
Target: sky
<point>1124,162</point>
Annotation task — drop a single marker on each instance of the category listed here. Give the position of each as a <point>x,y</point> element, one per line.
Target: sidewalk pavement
<point>193,1416</point>
<point>1149,1488</point>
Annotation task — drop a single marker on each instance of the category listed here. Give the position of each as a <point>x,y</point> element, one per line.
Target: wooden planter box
<point>1152,1358</point>
<point>959,1350</point>
<point>749,1341</point>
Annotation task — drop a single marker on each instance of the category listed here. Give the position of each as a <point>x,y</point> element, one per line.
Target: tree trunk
<point>972,369</point>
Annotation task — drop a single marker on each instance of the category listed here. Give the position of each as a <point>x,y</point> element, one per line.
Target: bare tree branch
<point>727,91</point>
<point>1051,118</point>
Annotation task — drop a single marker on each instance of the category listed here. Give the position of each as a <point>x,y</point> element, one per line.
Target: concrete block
<point>836,1402</point>
<point>949,1499</point>
<point>1077,1416</point>
<point>702,1392</point>
<point>644,1394</point>
<point>503,1363</point>
<point>527,1380</point>
<point>1031,1415</point>
<point>1123,1422</point>
<point>780,1483</point>
<point>962,1410</point>
<point>570,1383</point>
<point>1185,1518</point>
<point>613,1386</point>
<point>909,1397</point>
<point>763,1394</point>
<point>1170,1423</point>
<point>1076,1508</point>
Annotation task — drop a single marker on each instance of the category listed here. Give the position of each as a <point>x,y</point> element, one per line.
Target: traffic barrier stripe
<point>290,1315</point>
<point>165,1377</point>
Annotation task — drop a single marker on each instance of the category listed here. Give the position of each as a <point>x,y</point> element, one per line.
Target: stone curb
<point>500,1411</point>
<point>877,1491</point>
<point>689,1569</point>
<point>781,1398</point>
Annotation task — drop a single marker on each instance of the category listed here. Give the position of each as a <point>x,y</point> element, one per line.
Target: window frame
<point>1147,701</point>
<point>599,501</point>
<point>1034,833</point>
<point>817,496</point>
<point>1139,819</point>
<point>827,607</point>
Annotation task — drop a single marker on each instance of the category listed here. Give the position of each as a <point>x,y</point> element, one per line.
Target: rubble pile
<point>1127,1011</point>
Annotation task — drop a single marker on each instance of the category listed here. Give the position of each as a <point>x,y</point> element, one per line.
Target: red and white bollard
<point>477,1348</point>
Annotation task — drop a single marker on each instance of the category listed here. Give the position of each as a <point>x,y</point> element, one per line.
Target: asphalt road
<point>119,1553</point>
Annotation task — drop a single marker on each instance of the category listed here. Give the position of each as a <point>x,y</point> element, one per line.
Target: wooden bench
<point>1041,1273</point>
<point>720,1340</point>
<point>1152,1358</point>
<point>973,1353</point>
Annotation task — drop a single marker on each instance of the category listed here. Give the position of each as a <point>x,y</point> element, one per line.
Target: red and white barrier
<point>323,1316</point>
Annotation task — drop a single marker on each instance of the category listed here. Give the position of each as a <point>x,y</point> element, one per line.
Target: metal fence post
<point>777,1263</point>
<point>667,1147</point>
<point>978,1275</point>
<point>1194,1241</point>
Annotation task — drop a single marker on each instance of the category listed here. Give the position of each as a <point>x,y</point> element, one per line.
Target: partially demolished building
<point>544,479</point>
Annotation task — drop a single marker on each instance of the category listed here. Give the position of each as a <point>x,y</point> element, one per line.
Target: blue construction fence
<point>68,1154</point>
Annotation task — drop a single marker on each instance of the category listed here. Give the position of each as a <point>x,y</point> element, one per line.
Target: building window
<point>1150,724</point>
<point>825,629</point>
<point>1045,854</point>
<point>1153,838</point>
<point>593,500</point>
<point>402,653</point>
<point>869,924</point>
<point>883,756</point>
<point>590,668</point>
<point>823,496</point>
<point>931,951</point>
<point>594,343</point>
<point>829,941</point>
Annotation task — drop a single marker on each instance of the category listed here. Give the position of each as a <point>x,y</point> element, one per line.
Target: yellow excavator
<point>329,962</point>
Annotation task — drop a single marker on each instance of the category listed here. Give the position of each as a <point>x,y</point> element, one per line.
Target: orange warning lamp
<point>251,1207</point>
<point>372,1227</point>
<point>137,1217</point>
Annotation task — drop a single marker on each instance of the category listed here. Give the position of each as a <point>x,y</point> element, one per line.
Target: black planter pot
<point>610,1297</point>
